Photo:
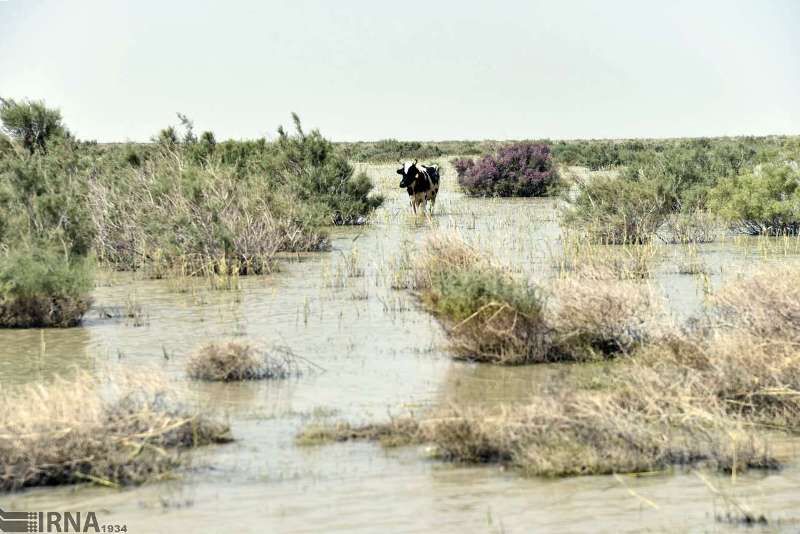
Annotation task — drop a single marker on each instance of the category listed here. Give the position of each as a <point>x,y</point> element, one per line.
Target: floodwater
<point>378,355</point>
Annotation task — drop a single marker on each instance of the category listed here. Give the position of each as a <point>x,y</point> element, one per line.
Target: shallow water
<point>378,355</point>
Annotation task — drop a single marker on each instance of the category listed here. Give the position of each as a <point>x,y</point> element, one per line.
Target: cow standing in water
<point>421,182</point>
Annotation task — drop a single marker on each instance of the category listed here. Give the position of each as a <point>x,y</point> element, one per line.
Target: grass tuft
<point>84,430</point>
<point>233,360</point>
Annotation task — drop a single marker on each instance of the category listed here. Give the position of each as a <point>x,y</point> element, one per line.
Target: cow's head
<point>409,173</point>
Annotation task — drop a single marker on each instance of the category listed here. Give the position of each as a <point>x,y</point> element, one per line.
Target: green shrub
<point>40,287</point>
<point>43,198</point>
<point>31,123</point>
<point>616,210</point>
<point>490,316</point>
<point>459,295</point>
<point>45,278</point>
<point>309,167</point>
<point>6,147</point>
<point>764,201</point>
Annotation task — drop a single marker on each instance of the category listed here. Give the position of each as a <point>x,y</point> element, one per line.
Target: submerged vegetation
<point>699,394</point>
<point>84,430</point>
<point>233,361</point>
<point>492,316</point>
<point>41,288</point>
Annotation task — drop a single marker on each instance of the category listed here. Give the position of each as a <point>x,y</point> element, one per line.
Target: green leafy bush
<point>764,201</point>
<point>31,123</point>
<point>310,168</point>
<point>616,210</point>
<point>40,288</point>
<point>43,199</point>
<point>460,294</point>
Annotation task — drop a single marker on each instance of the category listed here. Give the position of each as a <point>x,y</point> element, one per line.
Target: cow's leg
<point>417,202</point>
<point>433,199</point>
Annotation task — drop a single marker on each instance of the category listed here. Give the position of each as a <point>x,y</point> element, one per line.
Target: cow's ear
<point>399,171</point>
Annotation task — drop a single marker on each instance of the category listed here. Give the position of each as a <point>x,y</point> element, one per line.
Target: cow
<point>421,182</point>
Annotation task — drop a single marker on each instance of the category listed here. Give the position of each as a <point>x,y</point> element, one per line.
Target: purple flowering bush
<point>518,170</point>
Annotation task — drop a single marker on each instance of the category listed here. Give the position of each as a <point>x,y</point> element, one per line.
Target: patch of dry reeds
<point>87,430</point>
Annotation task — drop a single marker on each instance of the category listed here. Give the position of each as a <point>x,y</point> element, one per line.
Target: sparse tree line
<point>183,204</point>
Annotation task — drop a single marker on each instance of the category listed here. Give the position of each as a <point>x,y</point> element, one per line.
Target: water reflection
<point>29,355</point>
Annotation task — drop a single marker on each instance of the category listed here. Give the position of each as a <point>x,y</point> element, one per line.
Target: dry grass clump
<point>233,360</point>
<point>489,315</point>
<point>592,320</point>
<point>747,374</point>
<point>395,433</point>
<point>591,433</point>
<point>83,430</point>
<point>443,253</point>
<point>766,304</point>
<point>43,311</point>
<point>747,351</point>
<point>492,316</point>
<point>694,227</point>
<point>645,425</point>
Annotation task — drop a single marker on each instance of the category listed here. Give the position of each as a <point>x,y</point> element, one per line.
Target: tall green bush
<point>31,123</point>
<point>46,228</point>
<point>617,210</point>
<point>311,169</point>
<point>764,201</point>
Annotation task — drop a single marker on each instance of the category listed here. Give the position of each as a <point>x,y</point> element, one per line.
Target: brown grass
<point>642,425</point>
<point>234,360</point>
<point>85,430</point>
<point>593,320</point>
<point>765,304</point>
<point>746,350</point>
<point>445,252</point>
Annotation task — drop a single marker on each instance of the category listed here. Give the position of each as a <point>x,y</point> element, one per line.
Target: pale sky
<point>408,69</point>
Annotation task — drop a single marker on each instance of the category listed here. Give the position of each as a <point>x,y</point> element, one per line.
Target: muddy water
<point>377,355</point>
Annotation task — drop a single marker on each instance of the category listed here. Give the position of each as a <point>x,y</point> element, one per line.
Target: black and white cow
<point>421,182</point>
